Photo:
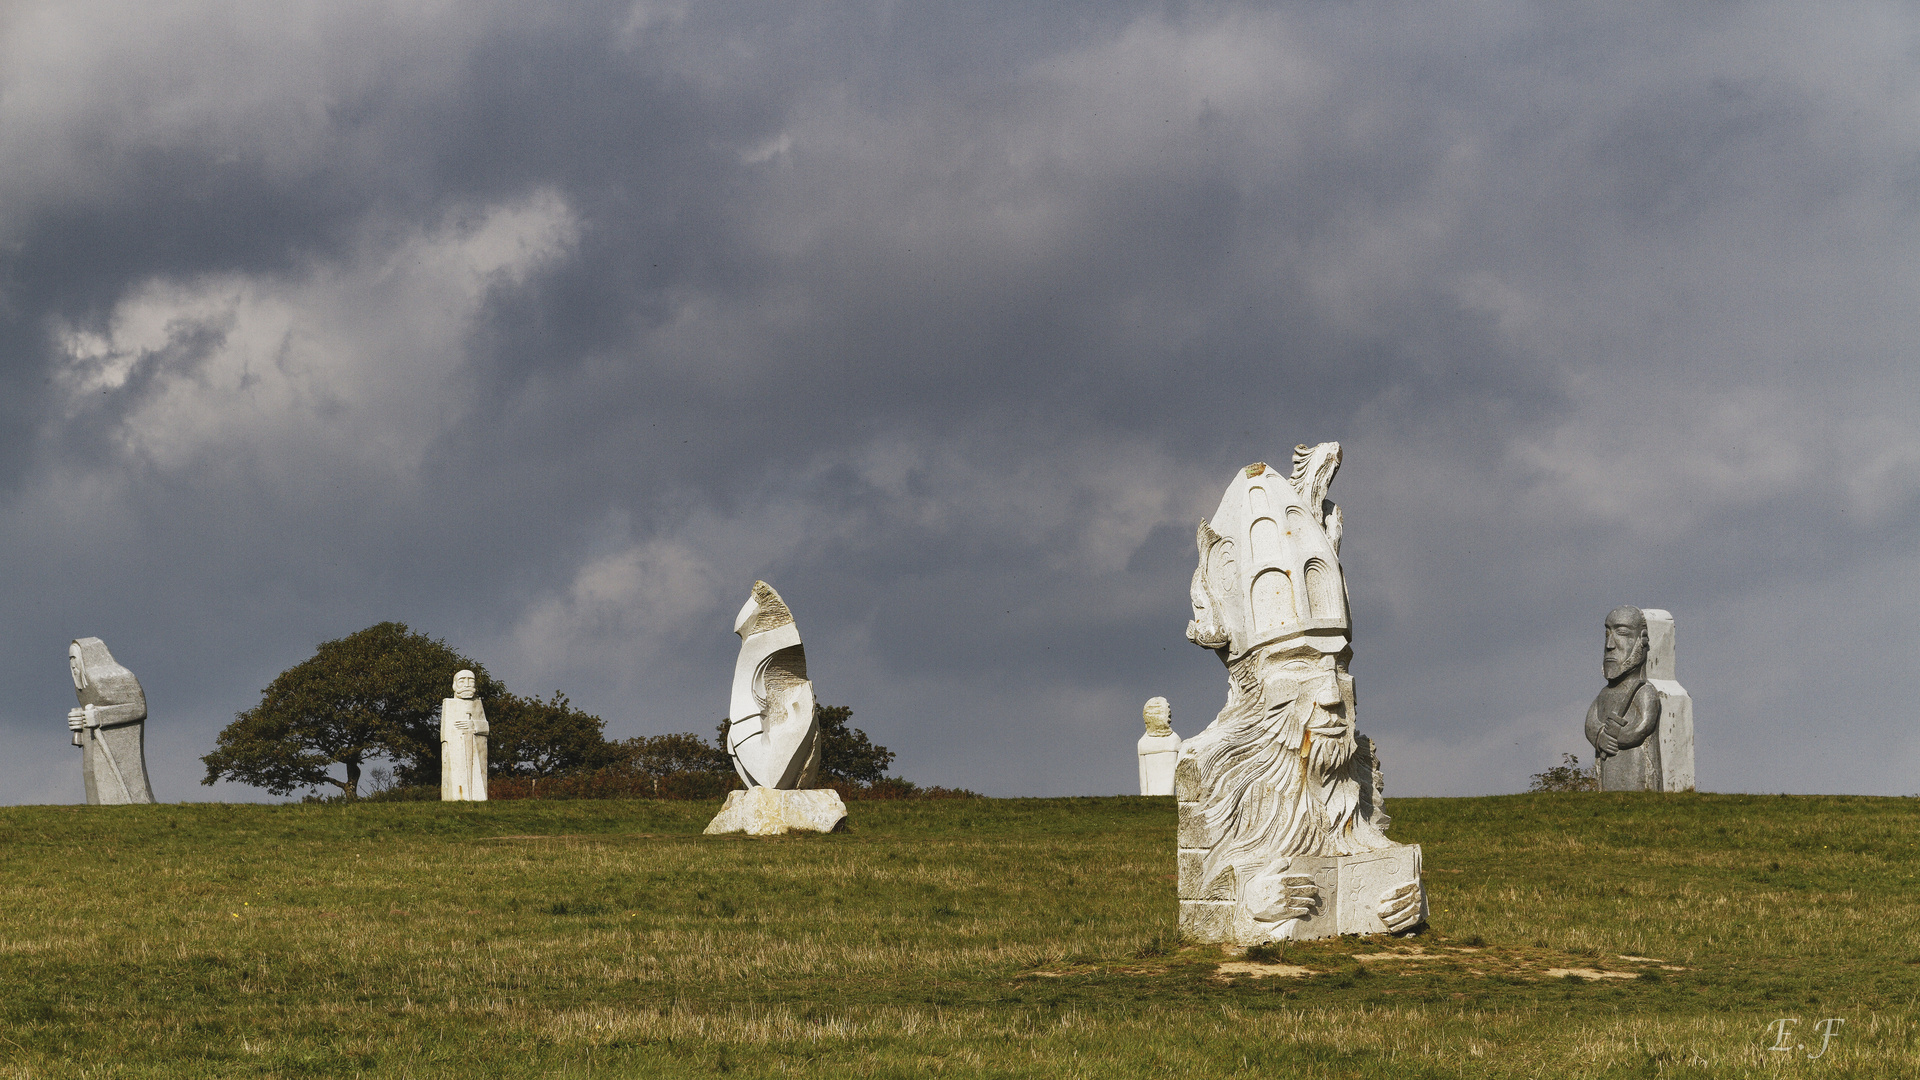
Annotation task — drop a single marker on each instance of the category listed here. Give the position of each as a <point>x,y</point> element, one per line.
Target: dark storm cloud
<point>548,331</point>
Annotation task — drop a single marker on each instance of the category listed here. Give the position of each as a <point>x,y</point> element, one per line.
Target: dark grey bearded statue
<point>1623,723</point>
<point>109,726</point>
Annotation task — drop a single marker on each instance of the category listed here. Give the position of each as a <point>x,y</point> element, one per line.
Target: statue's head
<point>1158,716</point>
<point>1269,563</point>
<point>1626,642</point>
<point>463,685</point>
<point>763,611</point>
<point>75,666</point>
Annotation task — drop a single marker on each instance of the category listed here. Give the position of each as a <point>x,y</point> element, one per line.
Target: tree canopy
<point>371,694</point>
<point>846,754</point>
<point>375,695</point>
<point>537,738</point>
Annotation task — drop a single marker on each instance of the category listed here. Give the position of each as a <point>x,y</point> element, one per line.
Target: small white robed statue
<point>1159,748</point>
<point>463,744</point>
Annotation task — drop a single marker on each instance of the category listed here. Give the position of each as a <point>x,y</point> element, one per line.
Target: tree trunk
<point>351,787</point>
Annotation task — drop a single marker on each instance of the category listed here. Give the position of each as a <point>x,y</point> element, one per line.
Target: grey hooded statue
<point>109,726</point>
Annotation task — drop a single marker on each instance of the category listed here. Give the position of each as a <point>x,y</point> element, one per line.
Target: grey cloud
<point>549,330</point>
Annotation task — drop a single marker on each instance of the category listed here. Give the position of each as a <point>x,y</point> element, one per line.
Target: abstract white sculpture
<point>110,725</point>
<point>463,743</point>
<point>772,736</point>
<point>1157,748</point>
<point>1281,828</point>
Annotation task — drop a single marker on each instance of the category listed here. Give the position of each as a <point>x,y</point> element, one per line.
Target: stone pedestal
<point>1350,890</point>
<point>765,811</point>
<point>1676,705</point>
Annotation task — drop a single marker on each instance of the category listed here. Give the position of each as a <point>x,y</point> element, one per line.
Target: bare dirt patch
<point>1259,971</point>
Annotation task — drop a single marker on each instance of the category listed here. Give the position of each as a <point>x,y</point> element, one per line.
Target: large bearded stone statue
<point>1282,828</point>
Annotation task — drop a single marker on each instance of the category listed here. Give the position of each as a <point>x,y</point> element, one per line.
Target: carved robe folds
<point>1282,829</point>
<point>109,726</point>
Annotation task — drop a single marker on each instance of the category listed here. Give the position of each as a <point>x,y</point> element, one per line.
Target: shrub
<point>1567,776</point>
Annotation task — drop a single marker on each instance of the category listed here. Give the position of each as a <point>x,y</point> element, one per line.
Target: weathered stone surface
<point>764,811</point>
<point>1281,816</point>
<point>1676,705</point>
<point>463,743</point>
<point>772,735</point>
<point>109,726</point>
<point>1159,748</point>
<point>1206,920</point>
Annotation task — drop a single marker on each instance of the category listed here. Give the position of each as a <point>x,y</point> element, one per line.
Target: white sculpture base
<point>1351,888</point>
<point>765,811</point>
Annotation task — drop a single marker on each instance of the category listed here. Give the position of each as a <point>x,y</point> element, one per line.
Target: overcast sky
<point>546,329</point>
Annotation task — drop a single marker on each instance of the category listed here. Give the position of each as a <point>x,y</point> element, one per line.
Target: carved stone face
<point>1626,642</point>
<point>463,686</point>
<point>1305,671</point>
<point>74,666</point>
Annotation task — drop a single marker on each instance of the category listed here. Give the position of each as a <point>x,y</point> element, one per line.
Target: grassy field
<point>1572,935</point>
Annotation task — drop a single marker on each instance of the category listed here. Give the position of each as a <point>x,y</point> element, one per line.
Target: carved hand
<point>1400,907</point>
<point>76,719</point>
<point>1300,897</point>
<point>1276,898</point>
<point>464,727</point>
<point>1608,744</point>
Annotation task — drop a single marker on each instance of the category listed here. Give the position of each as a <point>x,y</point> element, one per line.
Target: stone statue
<point>1281,820</point>
<point>1157,748</point>
<point>463,743</point>
<point>109,726</point>
<point>1624,719</point>
<point>772,735</point>
<point>1641,723</point>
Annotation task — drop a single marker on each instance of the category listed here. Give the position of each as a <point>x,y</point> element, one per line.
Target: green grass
<point>959,938</point>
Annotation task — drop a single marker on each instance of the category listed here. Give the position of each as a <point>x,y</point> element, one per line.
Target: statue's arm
<point>480,718</point>
<point>1642,718</point>
<point>117,715</point>
<point>1597,732</point>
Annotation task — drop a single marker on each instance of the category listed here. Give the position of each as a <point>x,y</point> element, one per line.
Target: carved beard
<point>1278,779</point>
<point>1614,667</point>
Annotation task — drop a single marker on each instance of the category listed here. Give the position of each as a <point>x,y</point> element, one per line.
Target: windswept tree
<point>535,738</point>
<point>846,754</point>
<point>373,694</point>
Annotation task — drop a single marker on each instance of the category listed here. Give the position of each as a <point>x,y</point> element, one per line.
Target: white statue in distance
<point>1282,828</point>
<point>463,743</point>
<point>1157,748</point>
